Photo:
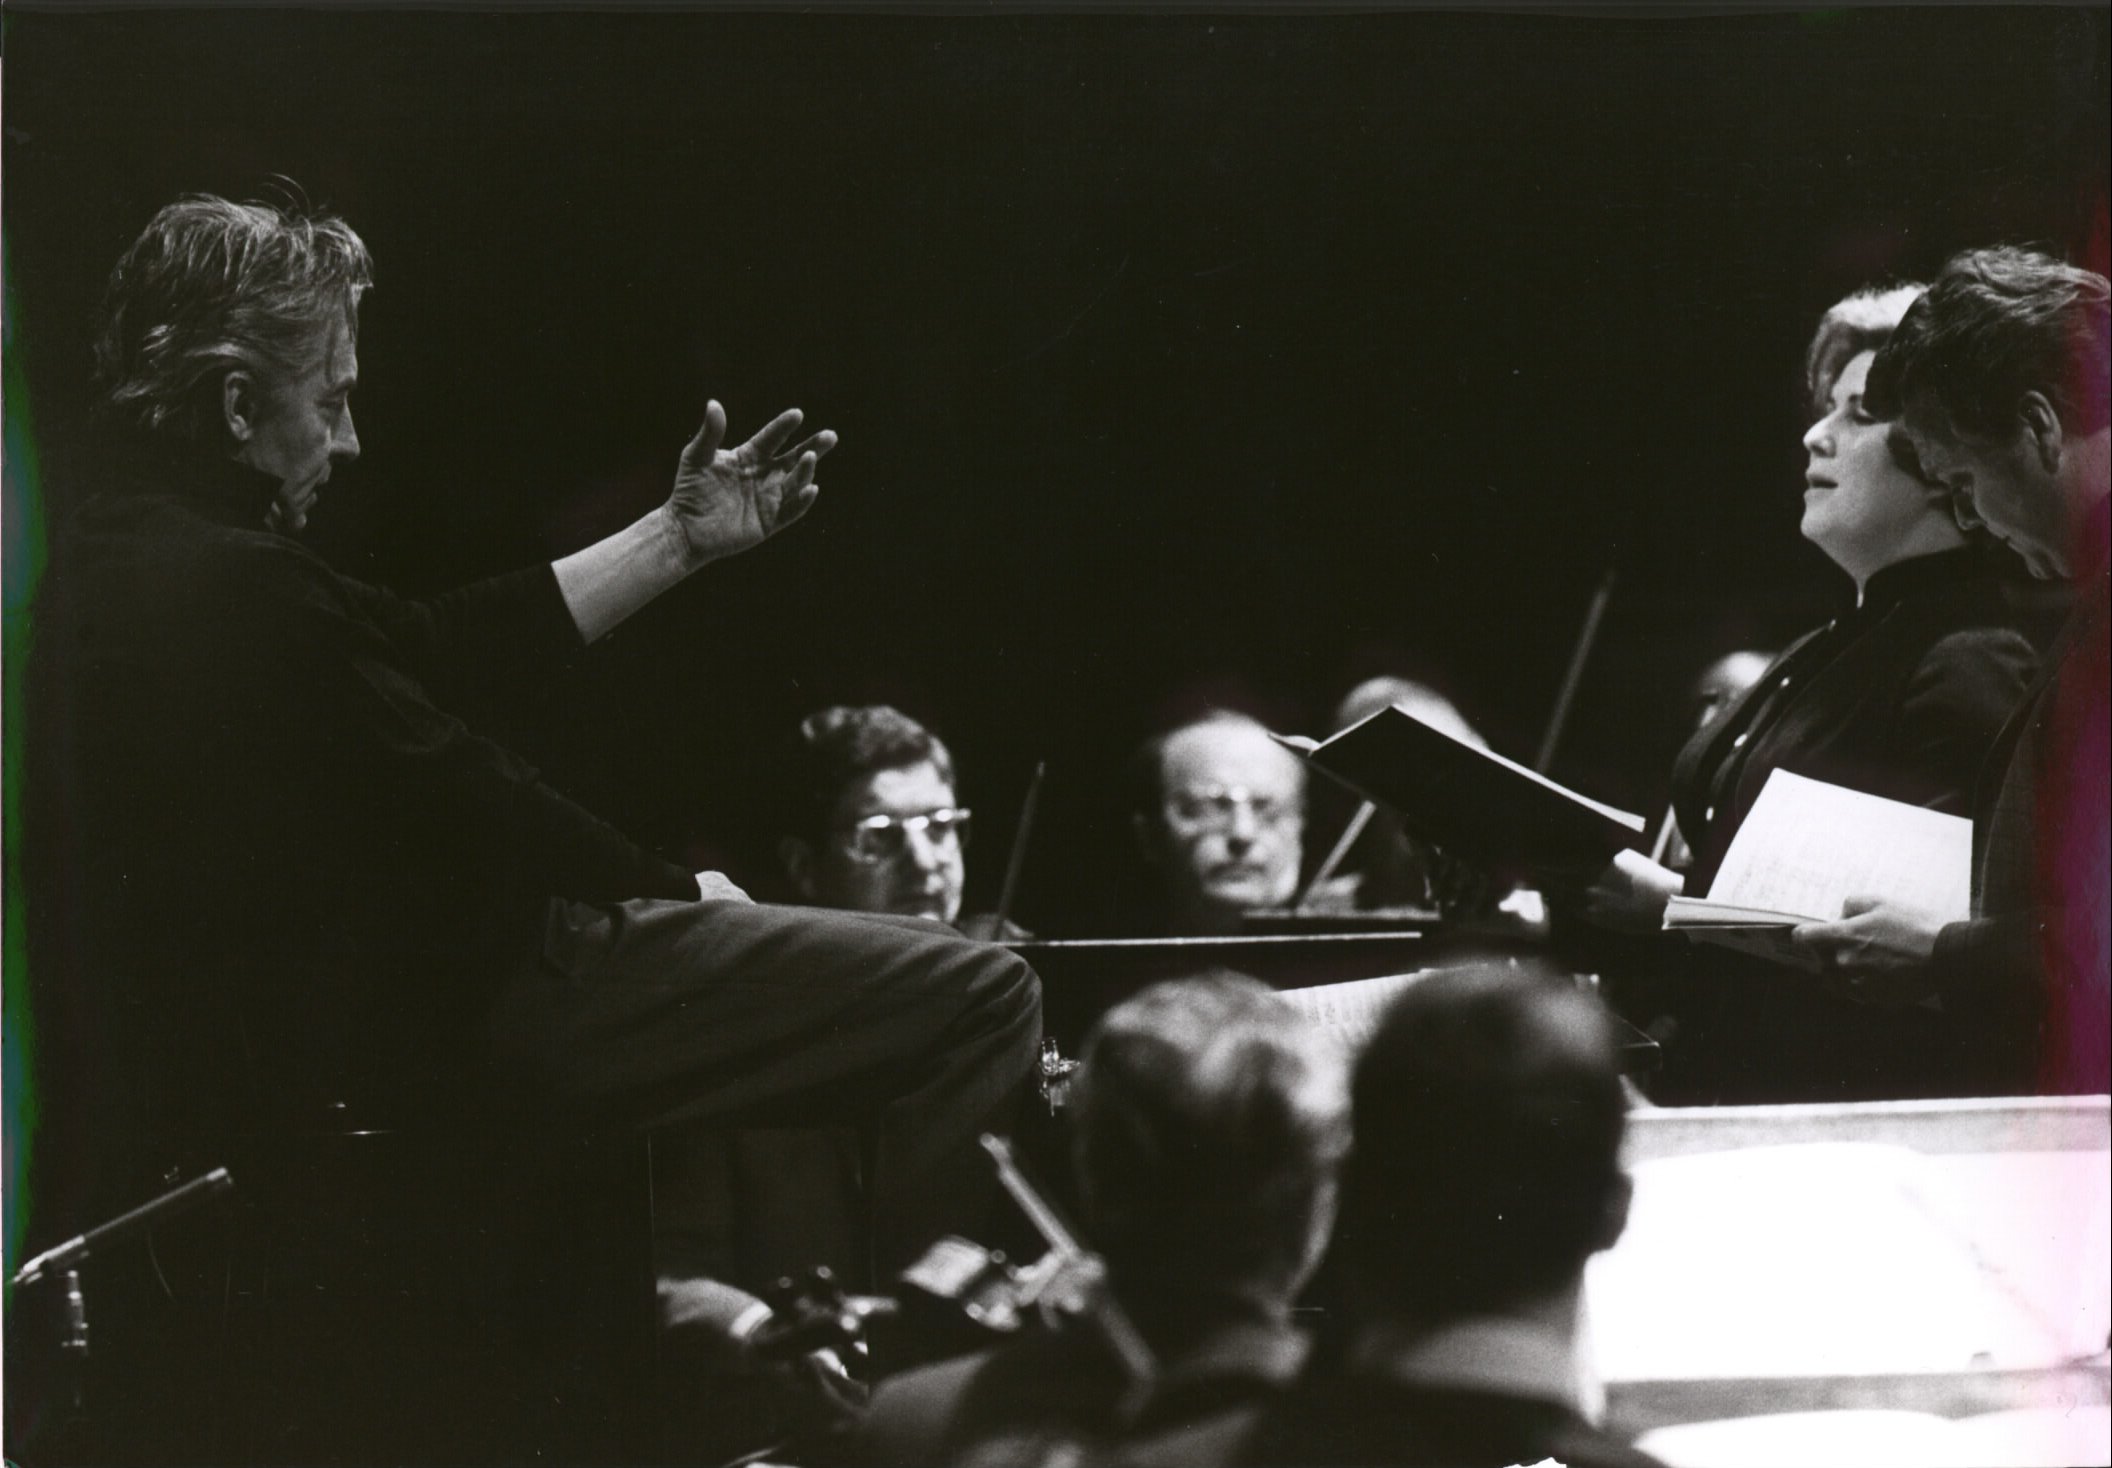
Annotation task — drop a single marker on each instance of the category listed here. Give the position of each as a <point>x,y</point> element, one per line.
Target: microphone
<point>145,1216</point>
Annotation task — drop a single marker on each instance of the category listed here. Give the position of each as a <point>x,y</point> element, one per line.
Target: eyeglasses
<point>884,838</point>
<point>1217,807</point>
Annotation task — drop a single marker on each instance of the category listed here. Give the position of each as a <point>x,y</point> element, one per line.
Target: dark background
<point>1175,357</point>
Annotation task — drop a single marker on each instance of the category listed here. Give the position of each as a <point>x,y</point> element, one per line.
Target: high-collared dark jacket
<point>1902,696</point>
<point>288,869</point>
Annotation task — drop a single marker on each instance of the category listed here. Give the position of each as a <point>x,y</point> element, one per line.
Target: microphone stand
<point>64,1264</point>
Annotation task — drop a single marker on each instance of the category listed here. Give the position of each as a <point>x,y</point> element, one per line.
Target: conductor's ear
<point>238,404</point>
<point>797,857</point>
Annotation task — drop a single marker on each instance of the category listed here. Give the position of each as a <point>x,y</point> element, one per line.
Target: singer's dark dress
<point>1900,696</point>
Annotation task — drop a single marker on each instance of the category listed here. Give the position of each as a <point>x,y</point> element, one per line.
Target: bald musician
<point>1218,812</point>
<point>1396,870</point>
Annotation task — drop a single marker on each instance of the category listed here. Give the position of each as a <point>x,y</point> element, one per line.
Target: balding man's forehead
<point>1231,752</point>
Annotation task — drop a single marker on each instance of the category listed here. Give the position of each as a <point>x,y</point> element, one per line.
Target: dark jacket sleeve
<point>2033,967</point>
<point>388,741</point>
<point>1956,700</point>
<point>488,640</point>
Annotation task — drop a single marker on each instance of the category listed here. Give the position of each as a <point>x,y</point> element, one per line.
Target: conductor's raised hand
<point>726,501</point>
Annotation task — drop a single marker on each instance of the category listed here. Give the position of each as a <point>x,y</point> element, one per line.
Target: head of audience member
<point>876,825</point>
<point>232,329</point>
<point>1723,682</point>
<point>1393,869</point>
<point>1998,380</point>
<point>1209,1122</point>
<point>1219,815</point>
<point>1865,506</point>
<point>1488,1114</point>
<point>1405,694</point>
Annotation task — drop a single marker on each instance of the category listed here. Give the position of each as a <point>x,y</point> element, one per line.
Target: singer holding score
<point>1900,696</point>
<point>1997,383</point>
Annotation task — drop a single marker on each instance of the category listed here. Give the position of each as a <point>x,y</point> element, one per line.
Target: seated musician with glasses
<point>1218,809</point>
<point>876,825</point>
<point>868,822</point>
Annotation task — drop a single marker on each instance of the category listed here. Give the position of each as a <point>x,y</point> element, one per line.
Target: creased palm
<point>730,500</point>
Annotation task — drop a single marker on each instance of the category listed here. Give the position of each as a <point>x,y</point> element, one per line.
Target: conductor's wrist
<point>677,553</point>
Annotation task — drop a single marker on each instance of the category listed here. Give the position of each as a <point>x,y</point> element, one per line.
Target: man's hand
<point>726,501</point>
<point>718,887</point>
<point>1629,896</point>
<point>1876,953</point>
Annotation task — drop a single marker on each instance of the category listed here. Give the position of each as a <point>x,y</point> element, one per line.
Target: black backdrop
<point>1175,356</point>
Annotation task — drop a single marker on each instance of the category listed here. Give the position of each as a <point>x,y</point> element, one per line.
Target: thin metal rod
<point>1586,636</point>
<point>1016,862</point>
<point>1336,857</point>
<point>1028,1197</point>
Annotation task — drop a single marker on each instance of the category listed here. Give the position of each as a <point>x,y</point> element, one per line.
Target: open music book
<point>1349,1013</point>
<point>1471,801</point>
<point>1806,847</point>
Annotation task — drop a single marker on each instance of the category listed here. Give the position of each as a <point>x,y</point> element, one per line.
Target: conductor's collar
<point>229,492</point>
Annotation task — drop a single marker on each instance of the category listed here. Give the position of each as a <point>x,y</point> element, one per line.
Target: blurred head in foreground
<point>1488,1113</point>
<point>1210,1121</point>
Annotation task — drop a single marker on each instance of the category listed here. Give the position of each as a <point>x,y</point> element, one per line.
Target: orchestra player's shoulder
<point>943,1412</point>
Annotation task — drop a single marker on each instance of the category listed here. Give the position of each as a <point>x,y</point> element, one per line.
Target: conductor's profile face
<point>1229,830</point>
<point>295,426</point>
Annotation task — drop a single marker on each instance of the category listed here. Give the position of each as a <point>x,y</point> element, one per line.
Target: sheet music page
<point>1350,1012</point>
<point>1807,847</point>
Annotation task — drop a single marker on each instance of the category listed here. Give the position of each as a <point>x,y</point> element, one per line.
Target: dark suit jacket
<point>1000,1405</point>
<point>2030,969</point>
<point>1901,697</point>
<point>298,875</point>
